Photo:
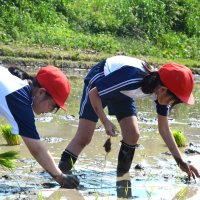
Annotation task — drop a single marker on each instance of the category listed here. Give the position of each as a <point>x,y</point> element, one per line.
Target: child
<point>116,82</point>
<point>21,96</point>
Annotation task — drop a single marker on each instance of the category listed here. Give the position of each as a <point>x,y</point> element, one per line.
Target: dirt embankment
<point>33,65</point>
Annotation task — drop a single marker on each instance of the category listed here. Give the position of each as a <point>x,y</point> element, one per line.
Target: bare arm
<point>98,108</point>
<point>44,158</point>
<point>42,155</point>
<point>168,138</point>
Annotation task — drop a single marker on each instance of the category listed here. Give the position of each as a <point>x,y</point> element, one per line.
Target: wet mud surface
<point>153,175</point>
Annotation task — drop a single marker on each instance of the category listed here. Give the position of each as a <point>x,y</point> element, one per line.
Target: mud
<point>153,175</point>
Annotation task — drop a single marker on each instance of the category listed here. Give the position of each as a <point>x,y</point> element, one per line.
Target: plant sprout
<point>179,138</point>
<point>72,163</point>
<point>11,139</point>
<point>7,159</point>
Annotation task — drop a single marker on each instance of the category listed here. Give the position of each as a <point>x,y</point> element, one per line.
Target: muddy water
<point>159,179</point>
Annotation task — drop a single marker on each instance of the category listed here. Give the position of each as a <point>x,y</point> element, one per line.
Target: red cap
<point>56,83</point>
<point>179,80</point>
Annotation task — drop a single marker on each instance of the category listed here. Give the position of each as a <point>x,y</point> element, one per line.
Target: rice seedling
<point>96,195</point>
<point>126,188</point>
<point>179,138</point>
<point>40,196</point>
<point>7,159</point>
<point>107,145</point>
<point>11,139</point>
<point>72,163</point>
<point>181,195</point>
<point>150,192</point>
<point>178,175</point>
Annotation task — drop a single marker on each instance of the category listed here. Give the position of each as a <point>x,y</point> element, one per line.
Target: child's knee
<point>131,138</point>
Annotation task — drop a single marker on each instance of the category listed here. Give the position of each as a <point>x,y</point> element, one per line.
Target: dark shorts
<point>117,103</point>
<point>121,109</point>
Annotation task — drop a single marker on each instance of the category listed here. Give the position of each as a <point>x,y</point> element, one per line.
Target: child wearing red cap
<point>116,82</point>
<point>21,97</point>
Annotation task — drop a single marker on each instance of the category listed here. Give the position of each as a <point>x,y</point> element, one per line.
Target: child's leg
<point>130,134</point>
<point>81,139</point>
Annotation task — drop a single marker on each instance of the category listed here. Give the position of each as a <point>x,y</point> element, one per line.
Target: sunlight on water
<point>160,178</point>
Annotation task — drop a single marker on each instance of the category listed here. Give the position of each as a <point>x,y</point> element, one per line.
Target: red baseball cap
<point>179,80</point>
<point>56,83</point>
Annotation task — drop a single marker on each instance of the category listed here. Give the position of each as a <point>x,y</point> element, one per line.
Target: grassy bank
<point>57,31</point>
<point>37,56</point>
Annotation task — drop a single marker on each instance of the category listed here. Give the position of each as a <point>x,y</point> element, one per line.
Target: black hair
<point>19,73</point>
<point>33,82</point>
<point>176,99</point>
<point>151,81</point>
<point>23,75</point>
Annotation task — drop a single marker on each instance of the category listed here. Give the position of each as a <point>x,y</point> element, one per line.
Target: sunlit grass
<point>165,29</point>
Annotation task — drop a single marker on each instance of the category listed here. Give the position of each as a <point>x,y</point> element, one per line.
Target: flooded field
<point>159,177</point>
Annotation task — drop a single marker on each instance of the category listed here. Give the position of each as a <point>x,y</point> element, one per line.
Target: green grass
<point>179,138</point>
<point>11,139</point>
<point>34,55</point>
<point>166,29</point>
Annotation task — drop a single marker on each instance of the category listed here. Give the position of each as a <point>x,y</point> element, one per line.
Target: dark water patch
<point>193,149</point>
<point>49,185</point>
<point>194,124</point>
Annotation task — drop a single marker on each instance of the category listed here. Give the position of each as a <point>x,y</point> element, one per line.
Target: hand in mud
<point>193,172</point>
<point>110,128</point>
<point>189,169</point>
<point>68,181</point>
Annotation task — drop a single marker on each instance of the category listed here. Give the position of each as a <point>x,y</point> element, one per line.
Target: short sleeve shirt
<point>16,104</point>
<point>123,76</point>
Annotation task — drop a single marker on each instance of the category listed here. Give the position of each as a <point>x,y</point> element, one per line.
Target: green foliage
<point>7,159</point>
<point>167,28</point>
<point>179,138</point>
<point>11,139</point>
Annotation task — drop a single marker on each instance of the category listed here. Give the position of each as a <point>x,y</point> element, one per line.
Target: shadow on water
<point>159,178</point>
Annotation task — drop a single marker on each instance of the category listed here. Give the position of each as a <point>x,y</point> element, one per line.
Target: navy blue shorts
<point>121,109</point>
